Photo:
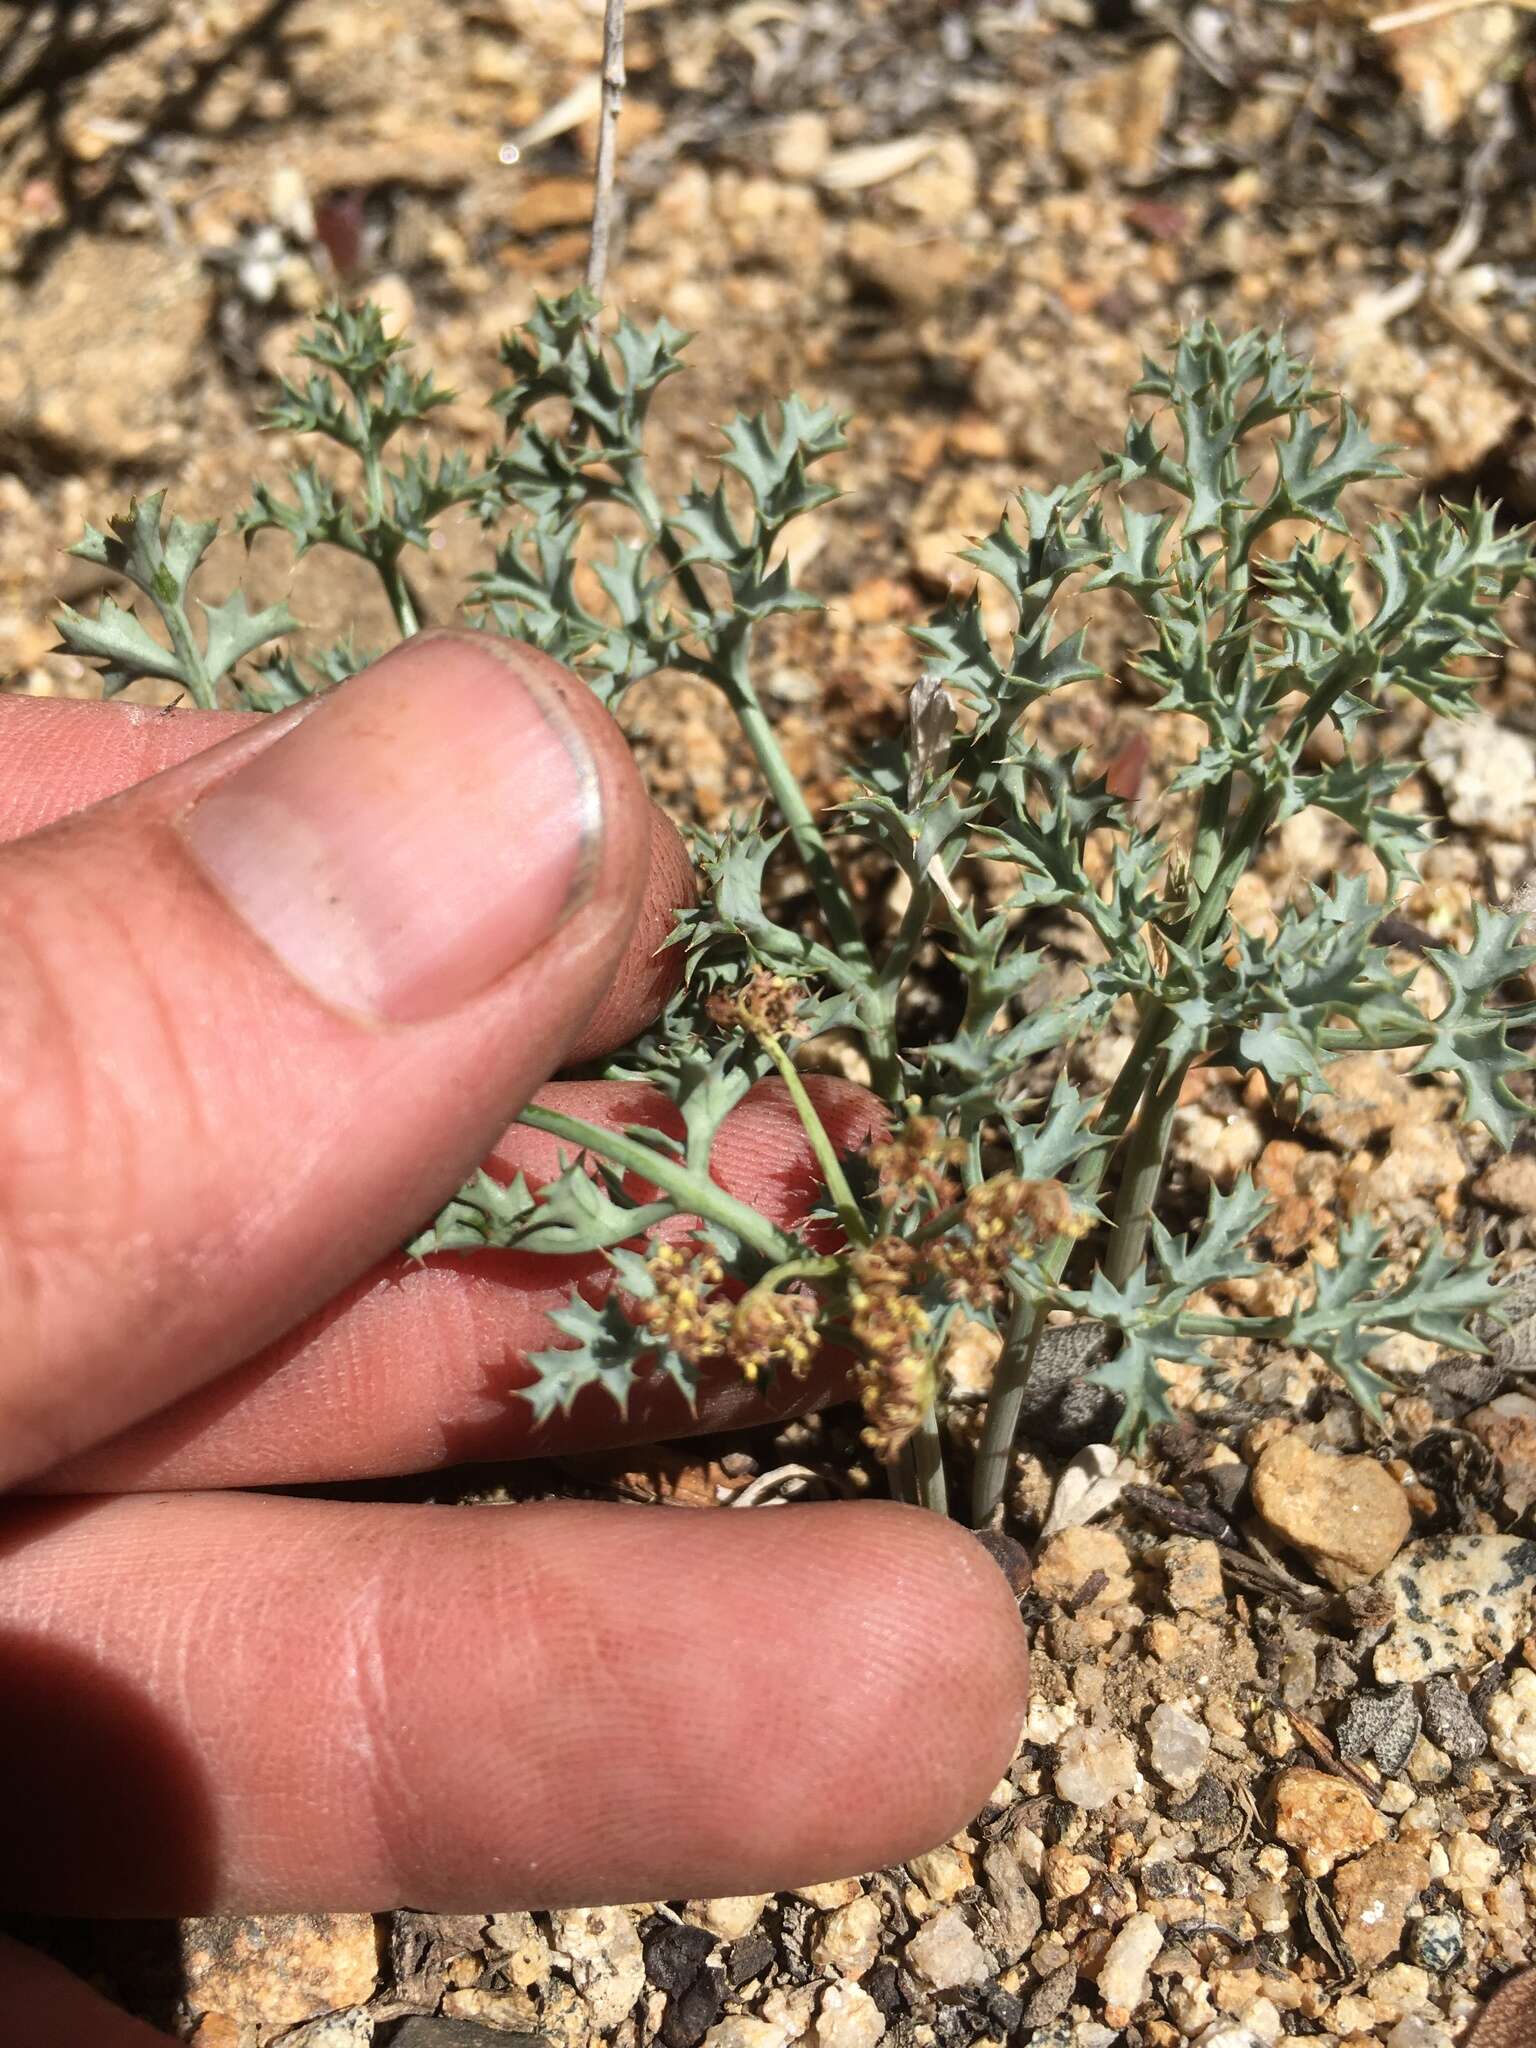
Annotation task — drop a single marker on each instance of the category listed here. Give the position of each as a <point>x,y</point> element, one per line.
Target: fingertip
<point>967,1654</point>
<point>652,968</point>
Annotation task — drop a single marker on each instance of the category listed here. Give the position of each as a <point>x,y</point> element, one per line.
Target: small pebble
<point>423,2031</point>
<point>849,1941</point>
<point>1508,1425</point>
<point>1193,1568</point>
<point>1179,1746</point>
<point>749,1957</point>
<point>836,1892</point>
<point>1472,1863</point>
<point>1382,1725</point>
<point>1418,2032</point>
<point>1429,1764</point>
<point>1129,1958</point>
<point>943,1873</point>
<point>1455,1597</point>
<point>847,2018</point>
<point>1512,1723</point>
<point>1075,1558</point>
<point>1400,1990</point>
<point>740,2030</point>
<point>338,2030</point>
<point>1094,1766</point>
<point>946,1954</point>
<point>604,1959</point>
<point>729,1918</point>
<point>1347,1516</point>
<point>1372,1896</point>
<point>1436,1941</point>
<point>1323,1818</point>
<point>278,1969</point>
<point>1450,1722</point>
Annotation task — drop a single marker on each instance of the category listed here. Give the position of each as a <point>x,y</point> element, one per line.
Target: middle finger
<point>418,1366</point>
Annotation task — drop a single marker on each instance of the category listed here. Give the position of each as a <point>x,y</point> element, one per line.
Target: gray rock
<point>1060,1407</point>
<point>1450,1721</point>
<point>1010,1919</point>
<point>1383,1725</point>
<point>1049,2000</point>
<point>423,2031</point>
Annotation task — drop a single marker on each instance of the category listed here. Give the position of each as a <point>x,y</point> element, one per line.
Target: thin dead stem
<point>607,144</point>
<point>1416,17</point>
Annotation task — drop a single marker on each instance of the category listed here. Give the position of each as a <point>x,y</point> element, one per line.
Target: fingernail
<point>414,837</point>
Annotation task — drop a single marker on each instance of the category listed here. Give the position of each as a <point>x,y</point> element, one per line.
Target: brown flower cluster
<point>890,1327</point>
<point>917,1161</point>
<point>773,1333</point>
<point>765,1333</point>
<point>768,1005</point>
<point>761,1334</point>
<point>685,1311</point>
<point>1003,1217</point>
<point>998,1222</point>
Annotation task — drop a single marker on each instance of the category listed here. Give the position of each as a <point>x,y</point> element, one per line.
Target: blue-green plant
<point>1001,1188</point>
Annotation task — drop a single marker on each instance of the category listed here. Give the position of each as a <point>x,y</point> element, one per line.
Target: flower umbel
<point>918,1164</point>
<point>1002,1221</point>
<point>686,1312</point>
<point>891,1329</point>
<point>772,1333</point>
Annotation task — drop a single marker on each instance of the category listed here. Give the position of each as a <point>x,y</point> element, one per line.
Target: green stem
<point>375,548</point>
<point>1142,1174</point>
<point>692,1192</point>
<point>1216,798</point>
<point>909,935</point>
<point>1010,1377</point>
<point>849,1213</point>
<point>1338,1040</point>
<point>924,1457</point>
<point>203,689</point>
<point>1235,1326</point>
<point>735,679</point>
<point>731,670</point>
<point>879,1015</point>
<point>393,579</point>
<point>796,1269</point>
<point>989,1481</point>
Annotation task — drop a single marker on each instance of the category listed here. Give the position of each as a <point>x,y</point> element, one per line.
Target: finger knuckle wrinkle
<point>98,1100</point>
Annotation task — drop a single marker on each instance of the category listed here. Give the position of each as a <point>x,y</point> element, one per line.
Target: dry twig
<point>607,144</point>
<point>1427,11</point>
<point>1483,345</point>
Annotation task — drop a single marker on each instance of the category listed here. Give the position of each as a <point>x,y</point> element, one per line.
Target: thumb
<point>261,1013</point>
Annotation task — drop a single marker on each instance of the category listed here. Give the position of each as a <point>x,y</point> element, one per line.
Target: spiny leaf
<point>235,631</point>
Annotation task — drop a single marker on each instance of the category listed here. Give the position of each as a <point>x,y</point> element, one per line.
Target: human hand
<point>259,1015</point>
